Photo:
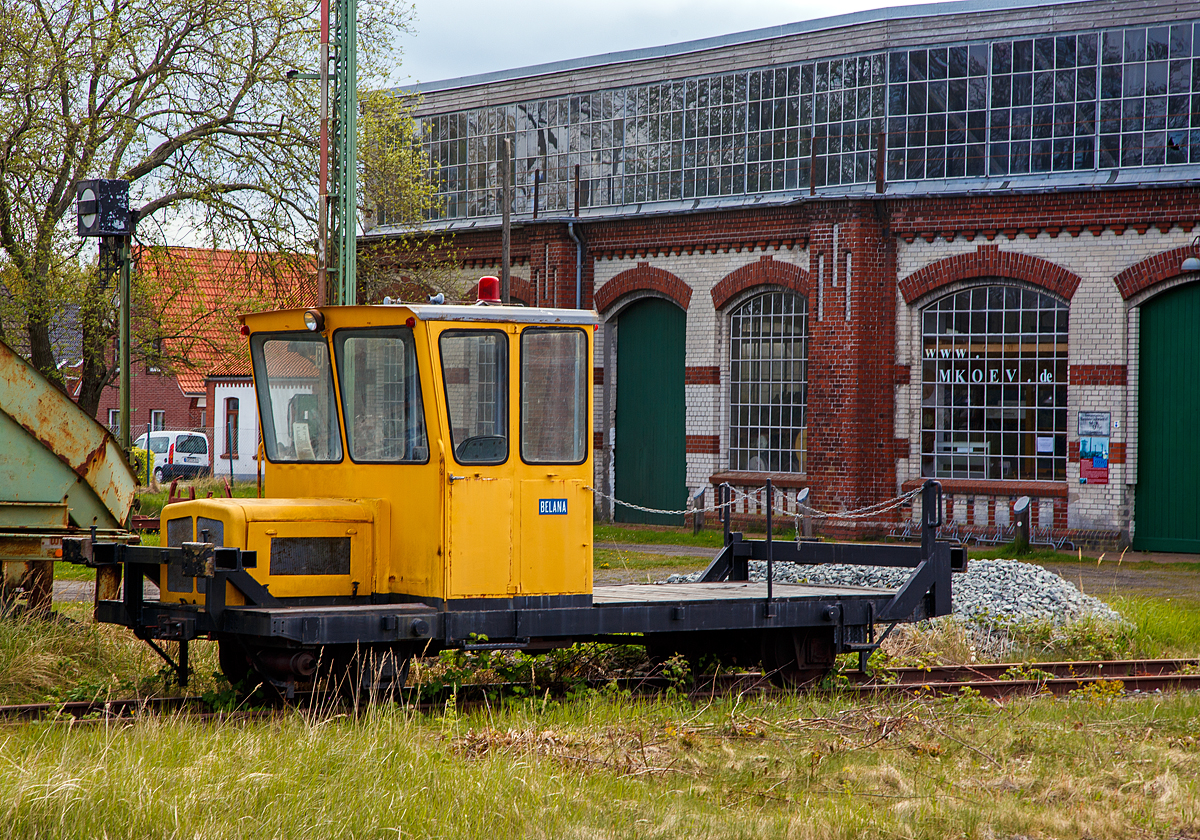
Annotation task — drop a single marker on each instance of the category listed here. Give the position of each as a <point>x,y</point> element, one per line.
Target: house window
<point>994,385</point>
<point>768,384</point>
<point>158,421</point>
<point>231,427</point>
<point>114,420</point>
<point>154,363</point>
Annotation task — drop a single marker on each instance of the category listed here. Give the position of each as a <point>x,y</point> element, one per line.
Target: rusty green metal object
<point>55,460</point>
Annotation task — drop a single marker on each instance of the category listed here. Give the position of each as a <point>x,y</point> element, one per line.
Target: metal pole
<point>148,430</point>
<point>323,176</point>
<point>125,339</point>
<point>770,546</point>
<point>343,147</point>
<point>725,492</point>
<point>881,163</point>
<point>505,215</point>
<point>348,43</point>
<point>812,163</point>
<point>537,179</point>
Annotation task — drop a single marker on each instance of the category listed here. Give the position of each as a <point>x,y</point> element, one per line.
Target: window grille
<point>1083,101</point>
<point>768,384</point>
<point>994,385</point>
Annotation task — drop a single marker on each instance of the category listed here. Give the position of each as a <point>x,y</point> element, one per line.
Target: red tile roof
<point>199,293</point>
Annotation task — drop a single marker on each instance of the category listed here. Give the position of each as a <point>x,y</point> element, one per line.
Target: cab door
<point>555,514</point>
<point>476,381</point>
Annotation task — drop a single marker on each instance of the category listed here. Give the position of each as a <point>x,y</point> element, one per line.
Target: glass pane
<point>554,397</point>
<point>769,384</point>
<point>294,381</point>
<point>995,407</point>
<point>381,395</point>
<point>475,370</point>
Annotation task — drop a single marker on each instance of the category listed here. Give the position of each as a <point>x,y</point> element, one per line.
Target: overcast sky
<point>455,38</point>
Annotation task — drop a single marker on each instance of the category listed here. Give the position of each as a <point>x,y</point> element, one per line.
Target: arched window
<point>768,383</point>
<point>994,385</point>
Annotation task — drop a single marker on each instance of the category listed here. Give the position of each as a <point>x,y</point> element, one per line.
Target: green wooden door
<point>649,467</point>
<point>1167,500</point>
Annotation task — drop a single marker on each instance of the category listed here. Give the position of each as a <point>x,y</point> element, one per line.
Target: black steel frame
<point>265,620</point>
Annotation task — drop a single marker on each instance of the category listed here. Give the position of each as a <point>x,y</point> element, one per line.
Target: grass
<point>151,503</point>
<point>73,658</point>
<point>605,766</point>
<point>655,535</point>
<point>611,558</point>
<point>1162,628</point>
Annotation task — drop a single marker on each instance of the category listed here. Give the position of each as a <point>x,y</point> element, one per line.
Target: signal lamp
<point>489,290</point>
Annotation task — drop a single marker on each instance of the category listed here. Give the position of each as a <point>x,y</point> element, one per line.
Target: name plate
<point>552,507</point>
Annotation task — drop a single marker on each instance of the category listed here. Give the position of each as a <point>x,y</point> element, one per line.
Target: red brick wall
<point>989,261</point>
<point>644,278</point>
<point>852,365</point>
<point>1098,374</point>
<point>150,392</point>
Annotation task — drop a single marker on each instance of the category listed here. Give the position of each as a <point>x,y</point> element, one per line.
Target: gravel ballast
<point>989,590</point>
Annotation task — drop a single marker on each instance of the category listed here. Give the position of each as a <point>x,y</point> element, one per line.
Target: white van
<point>178,454</point>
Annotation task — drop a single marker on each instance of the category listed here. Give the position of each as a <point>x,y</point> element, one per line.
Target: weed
<point>1101,693</point>
<point>1025,671</point>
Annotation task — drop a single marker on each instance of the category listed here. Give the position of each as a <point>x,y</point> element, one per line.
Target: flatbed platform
<point>658,593</point>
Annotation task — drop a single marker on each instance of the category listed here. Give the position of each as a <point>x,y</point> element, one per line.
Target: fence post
<point>1021,519</point>
<point>805,513</point>
<point>698,511</point>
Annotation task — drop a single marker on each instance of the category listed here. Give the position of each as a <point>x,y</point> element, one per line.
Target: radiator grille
<point>310,556</point>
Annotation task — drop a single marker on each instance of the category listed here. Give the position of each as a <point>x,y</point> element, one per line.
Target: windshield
<point>294,380</point>
<point>381,395</point>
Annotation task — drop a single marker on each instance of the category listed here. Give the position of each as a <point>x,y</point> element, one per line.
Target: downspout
<point>578,240</point>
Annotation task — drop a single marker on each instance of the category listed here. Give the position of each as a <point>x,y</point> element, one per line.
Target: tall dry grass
<point>807,767</point>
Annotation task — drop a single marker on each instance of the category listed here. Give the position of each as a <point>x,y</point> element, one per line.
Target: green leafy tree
<point>402,259</point>
<point>186,99</point>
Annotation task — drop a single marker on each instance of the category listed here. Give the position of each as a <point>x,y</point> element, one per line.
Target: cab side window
<point>475,371</point>
<point>555,376</point>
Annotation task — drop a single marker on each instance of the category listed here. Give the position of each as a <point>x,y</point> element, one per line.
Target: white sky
<point>455,38</point>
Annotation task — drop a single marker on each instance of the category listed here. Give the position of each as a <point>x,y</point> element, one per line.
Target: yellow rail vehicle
<point>428,452</point>
<point>427,483</point>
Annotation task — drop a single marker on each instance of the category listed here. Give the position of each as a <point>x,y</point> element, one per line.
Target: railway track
<point>1057,678</point>
<point>997,681</point>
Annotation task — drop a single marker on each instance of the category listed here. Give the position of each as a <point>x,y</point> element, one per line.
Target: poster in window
<point>1093,460</point>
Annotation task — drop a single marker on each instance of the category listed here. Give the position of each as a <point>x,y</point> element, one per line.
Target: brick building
<point>199,292</point>
<point>850,254</point>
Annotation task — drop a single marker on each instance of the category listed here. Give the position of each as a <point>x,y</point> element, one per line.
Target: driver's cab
<point>461,434</point>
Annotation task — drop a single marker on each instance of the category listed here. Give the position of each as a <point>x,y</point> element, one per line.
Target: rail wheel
<point>795,658</point>
<point>370,675</point>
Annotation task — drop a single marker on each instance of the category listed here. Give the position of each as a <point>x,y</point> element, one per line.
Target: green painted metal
<point>1167,499</point>
<point>343,147</point>
<point>650,465</point>
<point>53,453</point>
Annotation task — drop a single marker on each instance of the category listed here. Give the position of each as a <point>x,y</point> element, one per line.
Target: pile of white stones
<point>989,590</point>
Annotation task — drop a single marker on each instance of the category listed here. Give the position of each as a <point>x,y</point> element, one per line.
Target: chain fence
<point>736,495</point>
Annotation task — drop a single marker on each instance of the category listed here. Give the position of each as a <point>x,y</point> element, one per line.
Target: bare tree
<point>186,99</point>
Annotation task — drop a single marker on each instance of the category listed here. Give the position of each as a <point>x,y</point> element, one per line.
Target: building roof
<point>910,101</point>
<point>752,36</point>
<point>198,294</point>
